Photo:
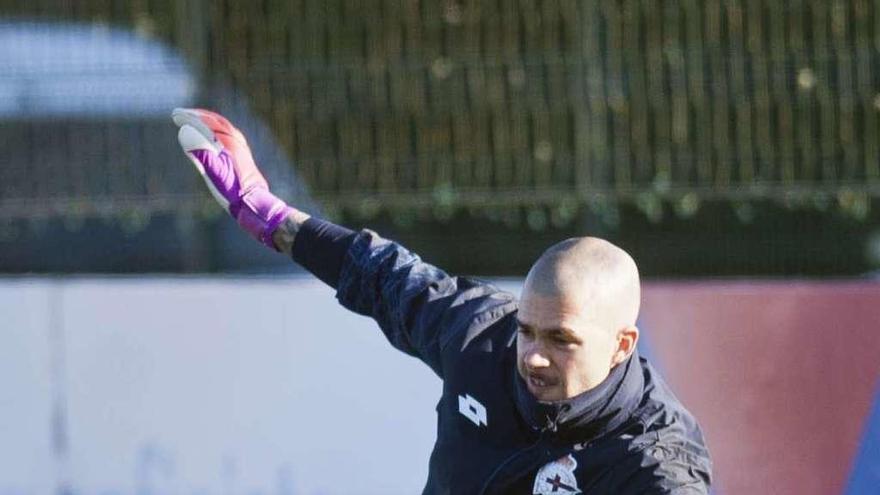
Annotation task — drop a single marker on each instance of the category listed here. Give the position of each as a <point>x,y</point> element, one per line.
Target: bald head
<point>593,274</point>
<point>576,319</point>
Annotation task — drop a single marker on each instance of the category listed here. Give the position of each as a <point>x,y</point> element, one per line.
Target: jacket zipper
<point>500,468</point>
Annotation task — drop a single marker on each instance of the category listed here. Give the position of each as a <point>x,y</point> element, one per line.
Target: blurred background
<point>732,146</point>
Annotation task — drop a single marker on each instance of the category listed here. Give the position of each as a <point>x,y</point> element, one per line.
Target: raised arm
<point>419,307</point>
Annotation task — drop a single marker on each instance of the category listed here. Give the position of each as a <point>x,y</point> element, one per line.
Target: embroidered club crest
<point>557,478</point>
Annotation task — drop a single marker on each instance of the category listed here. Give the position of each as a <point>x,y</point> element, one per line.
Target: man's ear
<point>627,338</point>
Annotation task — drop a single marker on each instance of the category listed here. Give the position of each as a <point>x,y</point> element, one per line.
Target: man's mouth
<point>538,382</point>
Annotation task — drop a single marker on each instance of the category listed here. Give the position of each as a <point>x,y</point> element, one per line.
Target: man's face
<point>562,350</point>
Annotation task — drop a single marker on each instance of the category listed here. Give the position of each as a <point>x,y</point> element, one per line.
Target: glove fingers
<point>208,161</point>
<point>223,129</point>
<point>220,127</point>
<point>218,130</point>
<point>193,137</point>
<point>196,157</point>
<point>190,117</point>
<point>195,144</point>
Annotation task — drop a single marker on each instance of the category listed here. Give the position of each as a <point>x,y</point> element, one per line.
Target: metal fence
<point>401,103</point>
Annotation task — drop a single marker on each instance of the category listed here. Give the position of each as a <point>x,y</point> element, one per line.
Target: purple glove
<point>221,154</point>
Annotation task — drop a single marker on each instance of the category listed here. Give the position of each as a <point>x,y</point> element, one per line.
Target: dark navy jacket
<point>628,435</point>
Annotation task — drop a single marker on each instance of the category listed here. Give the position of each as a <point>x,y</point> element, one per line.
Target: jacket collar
<point>590,414</point>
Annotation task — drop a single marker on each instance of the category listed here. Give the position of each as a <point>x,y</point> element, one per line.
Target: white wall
<point>204,386</point>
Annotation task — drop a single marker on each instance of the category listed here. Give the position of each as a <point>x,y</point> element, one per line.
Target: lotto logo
<point>472,410</point>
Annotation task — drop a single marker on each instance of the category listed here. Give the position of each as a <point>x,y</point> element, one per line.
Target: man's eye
<point>562,341</point>
<point>525,332</point>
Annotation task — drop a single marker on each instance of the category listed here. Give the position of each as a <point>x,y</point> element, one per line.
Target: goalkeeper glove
<point>221,155</point>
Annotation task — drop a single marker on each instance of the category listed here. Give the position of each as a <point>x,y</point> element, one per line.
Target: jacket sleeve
<point>420,308</point>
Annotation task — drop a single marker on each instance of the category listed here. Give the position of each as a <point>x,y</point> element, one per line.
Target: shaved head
<point>590,272</point>
<point>577,317</point>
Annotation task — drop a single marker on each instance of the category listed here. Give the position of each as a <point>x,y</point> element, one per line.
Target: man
<point>543,396</point>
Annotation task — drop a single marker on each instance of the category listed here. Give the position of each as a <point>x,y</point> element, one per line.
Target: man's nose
<point>535,358</point>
